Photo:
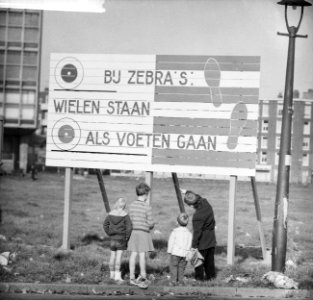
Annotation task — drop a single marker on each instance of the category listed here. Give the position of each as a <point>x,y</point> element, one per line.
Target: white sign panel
<point>167,113</point>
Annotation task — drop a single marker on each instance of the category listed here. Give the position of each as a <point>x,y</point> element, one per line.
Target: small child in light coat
<point>179,245</point>
<point>118,227</point>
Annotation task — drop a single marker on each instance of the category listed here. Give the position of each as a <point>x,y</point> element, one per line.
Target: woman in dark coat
<point>203,239</point>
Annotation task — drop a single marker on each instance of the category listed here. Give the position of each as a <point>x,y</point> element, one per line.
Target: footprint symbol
<point>238,120</point>
<point>212,75</point>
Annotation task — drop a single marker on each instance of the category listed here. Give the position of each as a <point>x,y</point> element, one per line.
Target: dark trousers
<point>208,266</point>
<point>177,268</point>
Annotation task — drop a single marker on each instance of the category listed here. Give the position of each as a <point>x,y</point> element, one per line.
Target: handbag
<point>195,257</point>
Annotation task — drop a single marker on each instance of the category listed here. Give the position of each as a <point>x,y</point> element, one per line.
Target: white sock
<point>118,275</point>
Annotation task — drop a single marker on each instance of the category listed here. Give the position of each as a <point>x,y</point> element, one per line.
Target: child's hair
<point>183,219</point>
<point>120,203</point>
<point>142,189</point>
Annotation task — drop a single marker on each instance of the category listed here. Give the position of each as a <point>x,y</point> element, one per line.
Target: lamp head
<point>294,3</point>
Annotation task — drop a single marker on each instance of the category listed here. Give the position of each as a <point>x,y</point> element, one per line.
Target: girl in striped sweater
<point>140,241</point>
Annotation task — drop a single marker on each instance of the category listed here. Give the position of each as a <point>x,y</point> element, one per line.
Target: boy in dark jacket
<point>203,238</point>
<point>117,225</point>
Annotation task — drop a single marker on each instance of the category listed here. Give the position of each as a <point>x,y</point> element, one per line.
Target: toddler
<point>179,245</point>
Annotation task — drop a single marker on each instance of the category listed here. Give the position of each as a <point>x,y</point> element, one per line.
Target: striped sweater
<point>141,216</point>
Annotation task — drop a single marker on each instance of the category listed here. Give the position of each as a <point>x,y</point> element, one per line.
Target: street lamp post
<point>279,241</point>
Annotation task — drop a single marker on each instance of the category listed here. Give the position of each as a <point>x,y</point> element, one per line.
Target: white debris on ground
<point>4,258</point>
<point>7,258</point>
<point>244,279</point>
<point>290,264</point>
<point>280,280</point>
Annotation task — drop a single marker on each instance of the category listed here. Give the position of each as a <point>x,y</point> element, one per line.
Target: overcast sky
<point>191,27</point>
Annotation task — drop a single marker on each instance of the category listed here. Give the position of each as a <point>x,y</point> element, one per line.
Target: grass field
<point>32,224</point>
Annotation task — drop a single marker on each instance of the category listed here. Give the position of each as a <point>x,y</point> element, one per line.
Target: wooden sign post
<point>67,207</point>
<point>149,181</point>
<point>103,191</point>
<point>231,220</point>
<point>258,216</point>
<point>178,193</point>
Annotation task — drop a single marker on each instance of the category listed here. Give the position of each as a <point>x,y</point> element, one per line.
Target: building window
<point>307,111</point>
<point>13,97</point>
<point>306,144</point>
<point>305,177</point>
<point>43,115</point>
<point>277,141</point>
<point>264,142</point>
<point>44,99</point>
<point>276,158</point>
<point>263,158</point>
<point>15,18</point>
<point>265,111</point>
<point>305,160</point>
<point>279,110</point>
<point>265,126</point>
<point>306,127</point>
<point>278,126</point>
<point>28,97</point>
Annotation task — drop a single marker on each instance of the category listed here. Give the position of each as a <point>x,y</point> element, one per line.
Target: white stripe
<point>81,157</point>
<point>122,58</point>
<point>100,163</point>
<point>244,79</point>
<point>199,110</point>
<point>144,94</point>
<point>102,125</point>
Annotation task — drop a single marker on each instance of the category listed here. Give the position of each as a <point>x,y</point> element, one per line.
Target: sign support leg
<point>103,191</point>
<point>67,207</point>
<point>178,193</point>
<point>149,181</point>
<point>258,216</point>
<point>231,220</point>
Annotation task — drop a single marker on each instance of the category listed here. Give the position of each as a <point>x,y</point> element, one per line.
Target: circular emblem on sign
<point>69,73</point>
<point>66,134</point>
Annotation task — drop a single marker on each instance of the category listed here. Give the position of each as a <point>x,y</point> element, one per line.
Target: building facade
<point>20,47</point>
<point>269,131</point>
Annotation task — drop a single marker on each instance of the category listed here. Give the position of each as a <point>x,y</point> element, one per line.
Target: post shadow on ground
<point>241,251</point>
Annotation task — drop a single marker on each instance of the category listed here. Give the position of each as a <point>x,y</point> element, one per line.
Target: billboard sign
<point>164,113</point>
